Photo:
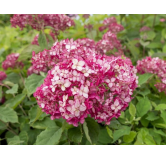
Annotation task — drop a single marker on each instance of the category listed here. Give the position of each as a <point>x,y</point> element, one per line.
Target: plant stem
<point>9,128</point>
<point>154,20</point>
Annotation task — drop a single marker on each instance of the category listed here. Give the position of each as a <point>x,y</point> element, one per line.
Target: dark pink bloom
<point>39,21</point>
<point>11,61</point>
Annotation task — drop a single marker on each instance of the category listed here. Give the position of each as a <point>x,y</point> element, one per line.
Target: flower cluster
<point>109,42</point>
<point>40,21</point>
<point>65,49</point>
<point>96,84</point>
<point>156,66</point>
<point>11,61</point>
<point>112,25</point>
<point>35,40</point>
<point>2,76</point>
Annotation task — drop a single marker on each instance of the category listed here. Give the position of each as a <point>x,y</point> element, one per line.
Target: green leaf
<point>75,135</point>
<point>0,92</point>
<point>154,45</point>
<point>27,52</point>
<point>32,82</point>
<point>149,140</point>
<point>144,121</point>
<point>144,43</point>
<point>24,137</point>
<point>92,34</point>
<point>163,115</point>
<point>15,101</point>
<point>50,136</point>
<point>8,115</point>
<point>159,123</point>
<point>104,138</point>
<point>132,109</point>
<point>91,129</point>
<point>114,124</point>
<point>46,123</point>
<point>151,35</point>
<point>144,137</point>
<point>155,136</point>
<point>160,132</point>
<point>2,126</point>
<point>42,41</point>
<point>109,131</point>
<point>13,77</point>
<point>143,106</point>
<point>36,113</point>
<point>143,78</point>
<point>129,138</point>
<point>49,27</point>
<point>13,90</point>
<point>161,107</point>
<point>14,141</point>
<point>152,116</point>
<point>124,130</point>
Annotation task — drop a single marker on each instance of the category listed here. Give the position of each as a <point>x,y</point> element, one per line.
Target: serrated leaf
<point>104,138</point>
<point>46,123</point>
<point>50,136</point>
<point>91,129</point>
<point>75,134</point>
<point>32,82</point>
<point>8,115</point>
<point>159,123</point>
<point>124,130</point>
<point>23,137</point>
<point>154,45</point>
<point>132,109</point>
<point>155,136</point>
<point>152,116</point>
<point>13,77</point>
<point>14,141</point>
<point>36,113</point>
<point>143,78</point>
<point>13,90</point>
<point>160,132</point>
<point>129,138</point>
<point>161,107</point>
<point>15,101</point>
<point>143,106</point>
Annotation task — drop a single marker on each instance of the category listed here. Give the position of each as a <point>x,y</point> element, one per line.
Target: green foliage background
<point>142,123</point>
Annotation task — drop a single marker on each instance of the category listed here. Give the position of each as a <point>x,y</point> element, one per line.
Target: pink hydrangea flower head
<point>109,42</point>
<point>76,87</point>
<point>112,25</point>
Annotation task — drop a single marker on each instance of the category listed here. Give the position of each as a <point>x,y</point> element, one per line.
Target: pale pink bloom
<point>78,64</point>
